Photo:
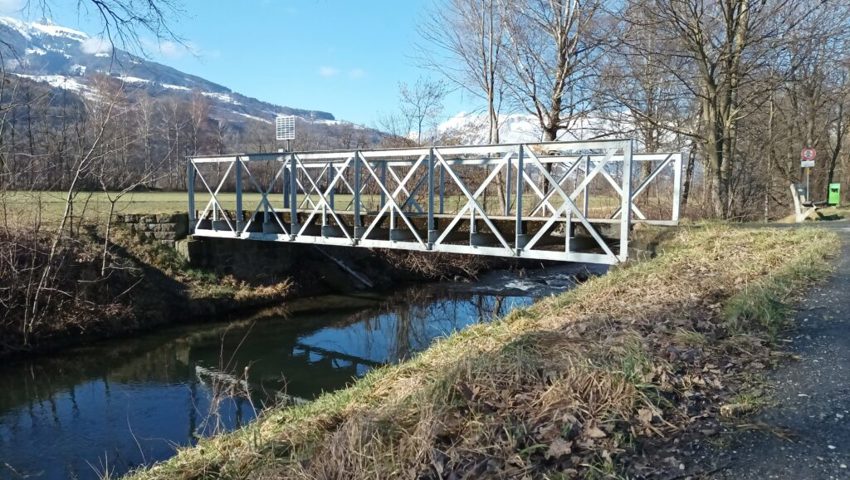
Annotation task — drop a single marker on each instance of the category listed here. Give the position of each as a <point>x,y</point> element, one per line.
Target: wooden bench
<point>803,208</point>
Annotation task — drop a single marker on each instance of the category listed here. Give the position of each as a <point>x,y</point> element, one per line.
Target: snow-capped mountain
<point>472,128</point>
<point>70,60</point>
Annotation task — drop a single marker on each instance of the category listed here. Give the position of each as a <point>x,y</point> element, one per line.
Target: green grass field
<point>26,207</point>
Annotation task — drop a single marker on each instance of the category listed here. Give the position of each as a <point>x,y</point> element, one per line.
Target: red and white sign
<point>807,157</point>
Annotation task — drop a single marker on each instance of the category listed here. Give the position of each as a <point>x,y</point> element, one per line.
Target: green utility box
<point>834,197</point>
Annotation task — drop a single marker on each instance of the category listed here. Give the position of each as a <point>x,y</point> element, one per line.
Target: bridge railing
<point>570,201</point>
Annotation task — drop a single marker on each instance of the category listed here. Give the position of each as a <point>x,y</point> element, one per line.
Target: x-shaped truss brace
<point>391,204</point>
<point>324,206</point>
<point>264,193</point>
<point>214,203</point>
<point>568,205</point>
<point>642,187</point>
<point>472,204</point>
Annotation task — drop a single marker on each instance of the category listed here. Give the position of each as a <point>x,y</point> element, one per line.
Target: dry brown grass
<point>437,265</point>
<point>560,390</point>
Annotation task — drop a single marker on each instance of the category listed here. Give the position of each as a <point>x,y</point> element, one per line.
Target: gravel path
<point>806,434</point>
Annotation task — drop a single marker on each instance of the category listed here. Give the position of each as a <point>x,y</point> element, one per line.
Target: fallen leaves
<point>559,448</point>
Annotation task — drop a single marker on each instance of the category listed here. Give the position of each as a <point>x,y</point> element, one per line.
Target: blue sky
<point>342,56</point>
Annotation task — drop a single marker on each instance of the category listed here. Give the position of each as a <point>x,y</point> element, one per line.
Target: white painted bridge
<point>564,201</point>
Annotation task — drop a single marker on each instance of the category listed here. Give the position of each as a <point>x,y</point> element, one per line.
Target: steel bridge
<point>566,201</point>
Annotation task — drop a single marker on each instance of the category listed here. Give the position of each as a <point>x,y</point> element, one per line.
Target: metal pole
<point>358,224</point>
<point>586,192</point>
<point>239,212</point>
<point>808,195</point>
<point>285,185</point>
<point>384,183</point>
<point>626,202</point>
<point>293,196</point>
<point>519,182</point>
<point>442,188</point>
<point>431,236</point>
<point>190,179</point>
<point>331,172</point>
<point>509,166</point>
<point>677,186</point>
<point>392,221</point>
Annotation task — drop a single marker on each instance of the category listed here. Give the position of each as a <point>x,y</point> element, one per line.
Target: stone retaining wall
<point>166,228</point>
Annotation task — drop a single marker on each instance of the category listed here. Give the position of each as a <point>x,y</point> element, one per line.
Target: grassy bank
<point>573,386</point>
<point>24,206</point>
<point>144,284</point>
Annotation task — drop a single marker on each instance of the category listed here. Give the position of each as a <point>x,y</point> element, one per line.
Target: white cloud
<point>356,73</point>
<point>172,50</point>
<point>175,50</point>
<point>12,6</point>
<point>328,72</point>
<point>95,45</point>
<point>169,49</point>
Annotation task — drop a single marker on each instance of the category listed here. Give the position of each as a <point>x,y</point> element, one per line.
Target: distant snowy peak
<point>473,128</point>
<point>34,29</point>
<point>71,60</point>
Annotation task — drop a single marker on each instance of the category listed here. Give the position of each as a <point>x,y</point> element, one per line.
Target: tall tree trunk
<point>689,175</point>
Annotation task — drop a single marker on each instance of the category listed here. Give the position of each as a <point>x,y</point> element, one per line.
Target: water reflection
<point>130,402</point>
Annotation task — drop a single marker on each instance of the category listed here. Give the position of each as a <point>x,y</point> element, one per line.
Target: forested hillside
<point>74,106</point>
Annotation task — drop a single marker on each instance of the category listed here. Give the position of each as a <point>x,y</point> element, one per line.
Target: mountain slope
<point>69,59</point>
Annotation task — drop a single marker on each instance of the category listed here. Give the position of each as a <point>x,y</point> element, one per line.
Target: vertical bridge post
<point>626,202</point>
<point>293,197</point>
<point>518,233</point>
<point>190,185</point>
<point>384,183</point>
<point>677,185</point>
<point>331,175</point>
<point>508,172</point>
<point>358,223</point>
<point>432,231</point>
<point>285,185</point>
<point>238,214</point>
<point>586,192</point>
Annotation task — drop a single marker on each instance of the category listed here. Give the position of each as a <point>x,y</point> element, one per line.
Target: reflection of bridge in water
<point>154,391</point>
<point>338,359</point>
<point>566,201</point>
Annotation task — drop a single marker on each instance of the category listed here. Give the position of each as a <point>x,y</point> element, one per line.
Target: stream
<point>121,403</point>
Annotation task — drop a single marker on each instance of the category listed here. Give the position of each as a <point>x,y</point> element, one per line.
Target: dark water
<point>118,404</point>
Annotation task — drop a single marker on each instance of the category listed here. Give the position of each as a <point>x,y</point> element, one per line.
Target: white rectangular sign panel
<point>284,127</point>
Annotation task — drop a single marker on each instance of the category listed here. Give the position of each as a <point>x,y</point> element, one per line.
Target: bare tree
<point>124,22</point>
<point>199,113</point>
<point>735,52</point>
<point>100,120</point>
<point>469,38</point>
<point>553,46</point>
<point>637,93</point>
<point>397,129</point>
<point>421,104</point>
